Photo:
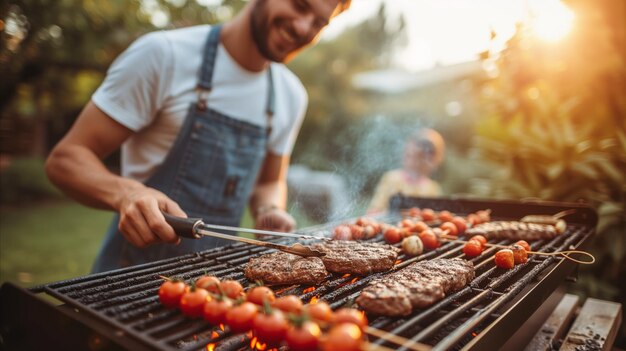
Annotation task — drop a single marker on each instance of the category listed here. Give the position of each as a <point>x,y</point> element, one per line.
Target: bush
<point>24,181</point>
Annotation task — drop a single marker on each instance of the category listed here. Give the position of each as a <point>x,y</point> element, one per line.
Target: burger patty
<point>416,286</point>
<point>279,268</point>
<point>514,230</point>
<point>358,258</point>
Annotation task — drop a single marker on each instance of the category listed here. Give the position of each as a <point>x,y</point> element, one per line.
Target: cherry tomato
<point>473,219</point>
<point>304,338</point>
<point>288,304</point>
<point>419,227</point>
<point>240,318</point>
<point>504,259</point>
<point>362,221</point>
<point>450,227</point>
<point>214,310</point>
<point>170,292</point>
<point>484,215</point>
<point>406,223</point>
<point>192,302</point>
<point>231,288</point>
<point>480,238</point>
<point>208,283</point>
<point>270,328</point>
<point>460,223</point>
<point>343,337</point>
<point>429,239</point>
<point>342,232</point>
<point>357,232</point>
<point>523,244</point>
<point>319,311</point>
<point>392,235</point>
<point>473,248</point>
<point>259,294</point>
<point>414,212</point>
<point>350,315</point>
<point>428,215</point>
<point>519,254</point>
<point>445,216</point>
<point>369,231</point>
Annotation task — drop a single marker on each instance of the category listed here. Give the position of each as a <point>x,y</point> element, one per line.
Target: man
<point>206,118</point>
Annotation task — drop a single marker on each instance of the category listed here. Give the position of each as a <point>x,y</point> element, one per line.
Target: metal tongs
<point>195,228</point>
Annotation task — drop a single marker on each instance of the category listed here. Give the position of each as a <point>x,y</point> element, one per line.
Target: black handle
<point>185,227</point>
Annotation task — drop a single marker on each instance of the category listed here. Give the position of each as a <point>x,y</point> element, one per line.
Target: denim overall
<point>210,172</point>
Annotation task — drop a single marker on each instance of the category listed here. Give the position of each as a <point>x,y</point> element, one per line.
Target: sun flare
<point>551,20</point>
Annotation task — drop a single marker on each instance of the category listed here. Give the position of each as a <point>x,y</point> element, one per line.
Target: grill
<point>120,309</point>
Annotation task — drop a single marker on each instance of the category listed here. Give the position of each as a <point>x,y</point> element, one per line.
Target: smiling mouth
<point>287,36</point>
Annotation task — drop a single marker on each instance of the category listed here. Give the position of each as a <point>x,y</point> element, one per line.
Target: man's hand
<point>275,219</point>
<point>141,220</point>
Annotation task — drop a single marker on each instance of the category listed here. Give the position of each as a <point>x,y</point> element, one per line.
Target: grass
<point>49,241</point>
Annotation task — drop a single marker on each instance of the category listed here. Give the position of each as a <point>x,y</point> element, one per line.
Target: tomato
<point>369,231</point>
<point>523,244</point>
<point>504,259</point>
<point>192,302</point>
<point>171,291</point>
<point>208,283</point>
<point>445,216</point>
<point>473,248</point>
<point>519,254</point>
<point>419,227</point>
<point>362,221</point>
<point>428,215</point>
<point>231,288</point>
<point>342,232</point>
<point>240,318</point>
<point>406,223</point>
<point>259,294</point>
<point>270,328</point>
<point>289,304</point>
<point>319,311</point>
<point>414,212</point>
<point>350,315</point>
<point>214,310</point>
<point>480,238</point>
<point>473,219</point>
<point>460,223</point>
<point>429,239</point>
<point>392,235</point>
<point>303,338</point>
<point>343,337</point>
<point>450,227</point>
<point>357,232</point>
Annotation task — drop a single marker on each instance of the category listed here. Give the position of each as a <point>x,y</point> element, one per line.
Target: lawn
<point>49,241</point>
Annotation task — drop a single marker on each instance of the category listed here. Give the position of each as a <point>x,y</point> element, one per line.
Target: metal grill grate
<point>483,313</point>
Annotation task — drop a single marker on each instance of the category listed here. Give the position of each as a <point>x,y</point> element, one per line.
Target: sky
<point>446,31</point>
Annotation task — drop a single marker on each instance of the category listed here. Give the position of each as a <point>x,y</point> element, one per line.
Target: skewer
<point>565,253</point>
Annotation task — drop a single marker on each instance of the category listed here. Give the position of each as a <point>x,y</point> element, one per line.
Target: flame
<point>398,262</point>
<point>214,335</point>
<point>353,280</point>
<point>249,334</point>
<point>313,300</point>
<point>260,346</point>
<point>253,343</point>
<point>210,347</point>
<point>222,327</point>
<point>474,334</point>
<point>346,275</point>
<point>308,290</point>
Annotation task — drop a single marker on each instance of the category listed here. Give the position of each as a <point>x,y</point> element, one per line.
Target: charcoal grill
<point>120,309</point>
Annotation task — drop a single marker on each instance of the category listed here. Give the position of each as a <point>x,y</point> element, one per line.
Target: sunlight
<point>551,20</point>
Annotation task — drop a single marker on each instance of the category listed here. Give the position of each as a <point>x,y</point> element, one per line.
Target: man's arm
<point>269,198</point>
<point>75,166</point>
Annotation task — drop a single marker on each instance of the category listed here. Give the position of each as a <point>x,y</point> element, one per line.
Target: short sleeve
<point>136,84</point>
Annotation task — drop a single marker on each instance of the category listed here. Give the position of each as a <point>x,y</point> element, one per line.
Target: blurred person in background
<point>206,118</point>
<point>423,154</point>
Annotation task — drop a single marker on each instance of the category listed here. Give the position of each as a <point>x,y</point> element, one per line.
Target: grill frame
<point>142,286</point>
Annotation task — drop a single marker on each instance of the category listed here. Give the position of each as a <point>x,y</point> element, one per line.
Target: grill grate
<point>127,300</point>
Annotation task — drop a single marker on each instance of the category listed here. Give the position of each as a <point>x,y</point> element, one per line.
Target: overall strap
<point>205,81</point>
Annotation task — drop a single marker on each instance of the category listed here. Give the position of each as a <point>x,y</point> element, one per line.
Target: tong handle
<point>185,227</point>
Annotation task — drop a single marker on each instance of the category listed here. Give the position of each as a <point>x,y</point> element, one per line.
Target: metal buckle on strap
<point>202,98</point>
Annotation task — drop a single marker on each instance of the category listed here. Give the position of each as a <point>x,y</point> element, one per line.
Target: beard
<point>260,26</point>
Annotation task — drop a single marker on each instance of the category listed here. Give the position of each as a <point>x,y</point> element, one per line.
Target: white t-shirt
<point>151,85</point>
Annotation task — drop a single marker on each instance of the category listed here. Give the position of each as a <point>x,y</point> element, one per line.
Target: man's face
<point>280,28</point>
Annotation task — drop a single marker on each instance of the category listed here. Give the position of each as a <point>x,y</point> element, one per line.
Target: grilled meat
<point>357,257</point>
<point>416,286</point>
<point>283,268</point>
<point>513,230</point>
